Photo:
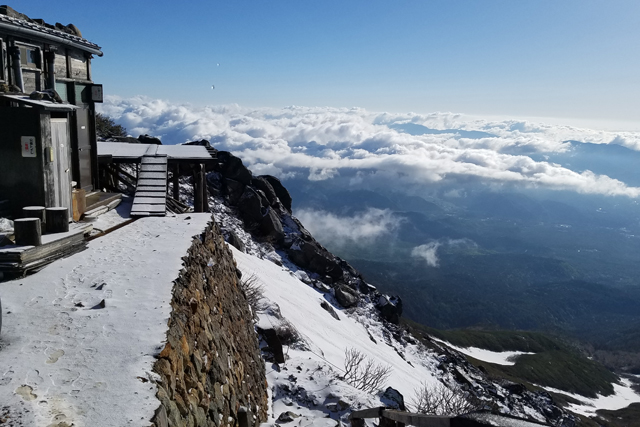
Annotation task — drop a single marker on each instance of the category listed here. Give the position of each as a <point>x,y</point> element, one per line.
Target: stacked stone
<point>210,366</point>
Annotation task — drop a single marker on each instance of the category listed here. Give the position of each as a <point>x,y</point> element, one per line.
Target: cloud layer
<point>373,148</point>
<point>360,229</point>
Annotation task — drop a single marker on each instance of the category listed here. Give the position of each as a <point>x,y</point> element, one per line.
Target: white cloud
<point>325,143</point>
<point>362,228</point>
<point>428,252</point>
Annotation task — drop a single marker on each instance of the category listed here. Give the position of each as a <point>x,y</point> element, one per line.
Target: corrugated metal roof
<point>32,26</point>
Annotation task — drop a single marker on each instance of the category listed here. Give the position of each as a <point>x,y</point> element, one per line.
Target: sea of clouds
<point>322,143</point>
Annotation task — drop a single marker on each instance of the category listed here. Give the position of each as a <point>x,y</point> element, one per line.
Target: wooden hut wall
<point>21,178</point>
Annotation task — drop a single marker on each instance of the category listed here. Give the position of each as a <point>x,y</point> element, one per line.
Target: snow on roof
<point>61,359</point>
<point>135,151</point>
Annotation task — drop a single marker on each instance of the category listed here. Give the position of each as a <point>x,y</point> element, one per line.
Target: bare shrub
<point>287,333</point>
<point>442,400</point>
<point>254,292</point>
<point>363,372</point>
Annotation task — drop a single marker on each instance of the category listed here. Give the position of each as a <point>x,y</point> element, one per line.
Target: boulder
<point>346,297</point>
<point>233,189</point>
<point>311,256</point>
<point>393,399</point>
<point>270,336</point>
<point>287,417</point>
<point>232,167</point>
<point>203,143</point>
<point>235,241</point>
<point>148,139</point>
<point>281,192</point>
<point>390,308</point>
<point>325,305</point>
<point>252,210</point>
<point>262,184</point>
<point>271,226</point>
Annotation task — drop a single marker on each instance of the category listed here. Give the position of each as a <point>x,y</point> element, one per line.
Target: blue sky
<point>542,58</point>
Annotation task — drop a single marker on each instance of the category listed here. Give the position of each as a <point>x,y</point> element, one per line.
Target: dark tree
<point>106,127</point>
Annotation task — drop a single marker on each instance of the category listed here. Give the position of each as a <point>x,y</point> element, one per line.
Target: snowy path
<point>79,337</point>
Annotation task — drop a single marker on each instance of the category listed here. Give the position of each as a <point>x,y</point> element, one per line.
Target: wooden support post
<point>57,220</point>
<point>36,212</point>
<point>116,175</point>
<point>205,194</point>
<point>243,417</point>
<point>385,422</point>
<point>176,181</point>
<point>197,190</point>
<point>27,232</point>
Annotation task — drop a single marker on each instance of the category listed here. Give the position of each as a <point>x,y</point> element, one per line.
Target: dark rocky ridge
<point>253,198</point>
<point>264,205</point>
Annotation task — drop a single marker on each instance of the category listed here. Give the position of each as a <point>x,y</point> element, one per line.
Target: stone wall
<point>210,366</point>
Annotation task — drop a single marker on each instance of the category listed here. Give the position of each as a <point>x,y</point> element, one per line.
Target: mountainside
<point>317,309</point>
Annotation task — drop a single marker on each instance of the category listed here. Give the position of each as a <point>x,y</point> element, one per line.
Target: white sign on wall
<point>28,146</point>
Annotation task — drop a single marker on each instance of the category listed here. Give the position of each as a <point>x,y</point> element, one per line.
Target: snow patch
<point>499,358</point>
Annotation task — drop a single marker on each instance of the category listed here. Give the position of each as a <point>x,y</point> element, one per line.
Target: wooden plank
<point>152,183</point>
<point>149,208</point>
<point>154,160</point>
<point>146,167</point>
<point>417,420</point>
<point>152,175</point>
<point>367,413</point>
<point>149,201</point>
<point>151,193</point>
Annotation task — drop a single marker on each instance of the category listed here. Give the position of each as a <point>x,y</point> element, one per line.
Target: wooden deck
<point>20,260</point>
<point>151,191</point>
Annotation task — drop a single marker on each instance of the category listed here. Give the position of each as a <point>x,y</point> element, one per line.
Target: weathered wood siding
<point>31,80</point>
<point>60,65</point>
<point>78,65</point>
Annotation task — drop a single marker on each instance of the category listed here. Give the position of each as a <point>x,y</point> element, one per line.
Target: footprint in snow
<point>6,378</point>
<point>55,355</point>
<point>33,377</point>
<point>26,392</point>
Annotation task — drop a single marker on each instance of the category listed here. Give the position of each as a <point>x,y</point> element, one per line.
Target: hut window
<point>30,57</point>
<point>61,88</point>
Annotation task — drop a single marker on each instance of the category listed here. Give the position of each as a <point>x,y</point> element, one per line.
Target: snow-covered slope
<point>308,388</point>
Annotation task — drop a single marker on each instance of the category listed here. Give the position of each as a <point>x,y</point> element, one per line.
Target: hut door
<point>61,164</point>
<point>84,177</point>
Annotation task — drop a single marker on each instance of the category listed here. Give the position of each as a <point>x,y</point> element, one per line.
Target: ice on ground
<point>623,396</point>
<point>79,338</point>
<point>499,358</point>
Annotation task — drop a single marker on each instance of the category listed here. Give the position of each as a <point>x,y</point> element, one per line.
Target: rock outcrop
<point>210,366</point>
<point>264,205</point>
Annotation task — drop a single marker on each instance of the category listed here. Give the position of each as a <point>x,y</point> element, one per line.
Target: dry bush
<point>254,292</point>
<point>287,333</point>
<point>442,400</point>
<point>364,373</point>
